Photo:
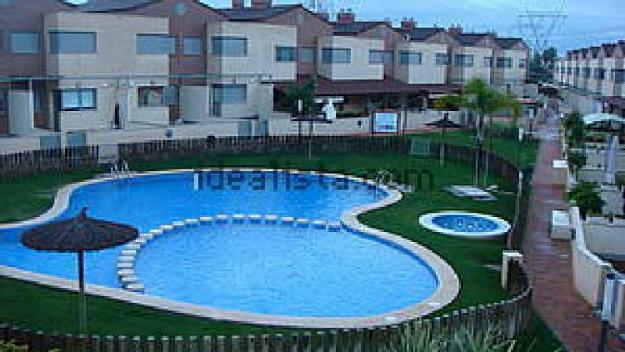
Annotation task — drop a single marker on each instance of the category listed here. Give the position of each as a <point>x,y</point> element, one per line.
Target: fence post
<point>178,344</point>
<point>151,344</point>
<point>109,343</point>
<point>332,345</point>
<point>164,344</point>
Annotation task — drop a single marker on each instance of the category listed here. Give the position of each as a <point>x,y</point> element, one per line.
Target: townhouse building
<point>593,78</point>
<point>111,64</point>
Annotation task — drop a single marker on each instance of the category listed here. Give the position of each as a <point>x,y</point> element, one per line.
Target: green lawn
<point>510,149</point>
<point>52,310</point>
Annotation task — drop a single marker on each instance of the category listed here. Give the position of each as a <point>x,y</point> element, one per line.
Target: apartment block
<point>593,78</point>
<point>110,64</point>
<point>84,51</point>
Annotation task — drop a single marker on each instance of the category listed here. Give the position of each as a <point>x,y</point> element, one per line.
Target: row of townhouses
<point>594,78</point>
<point>113,64</point>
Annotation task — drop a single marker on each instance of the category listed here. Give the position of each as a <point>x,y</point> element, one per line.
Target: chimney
<point>346,17</point>
<point>408,24</point>
<point>261,4</point>
<point>324,15</point>
<point>238,4</point>
<point>455,30</point>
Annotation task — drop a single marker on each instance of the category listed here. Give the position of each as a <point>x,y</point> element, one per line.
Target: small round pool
<point>463,224</point>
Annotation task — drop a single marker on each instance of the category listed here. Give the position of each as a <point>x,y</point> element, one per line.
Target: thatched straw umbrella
<point>79,235</point>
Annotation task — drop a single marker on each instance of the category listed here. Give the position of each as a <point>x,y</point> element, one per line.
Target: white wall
<point>262,40</point>
<point>589,271</point>
<point>351,126</point>
<point>359,68</point>
<point>194,103</point>
<point>605,238</point>
<point>21,112</point>
<point>10,145</point>
<point>462,74</point>
<point>218,128</point>
<point>426,73</point>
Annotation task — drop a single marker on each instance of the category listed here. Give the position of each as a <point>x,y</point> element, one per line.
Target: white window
<point>229,46</point>
<point>442,59</point>
<point>150,96</point>
<point>336,56</point>
<point>24,42</point>
<point>410,58</point>
<point>376,57</point>
<point>522,63</point>
<point>504,62</point>
<point>155,44</point>
<point>463,60</point>
<point>78,99</point>
<point>192,46</point>
<point>72,42</point>
<point>227,94</point>
<point>286,54</point>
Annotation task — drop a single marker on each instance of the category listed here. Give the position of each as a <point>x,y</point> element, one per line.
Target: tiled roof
<point>421,33</point>
<point>355,27</point>
<point>469,39</point>
<point>327,87</point>
<point>114,5</point>
<point>256,14</point>
<point>508,43</point>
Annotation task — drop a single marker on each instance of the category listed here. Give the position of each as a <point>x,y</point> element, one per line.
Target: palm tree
<point>484,100</point>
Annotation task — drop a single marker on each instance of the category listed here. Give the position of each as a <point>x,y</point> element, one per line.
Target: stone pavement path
<point>549,262</point>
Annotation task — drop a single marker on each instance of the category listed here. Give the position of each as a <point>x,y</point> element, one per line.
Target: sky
<point>587,22</point>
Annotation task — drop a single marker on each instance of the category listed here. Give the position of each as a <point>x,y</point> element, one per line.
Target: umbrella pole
<point>82,303</point>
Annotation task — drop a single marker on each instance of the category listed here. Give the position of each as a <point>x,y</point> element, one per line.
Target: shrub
<point>576,160</point>
<point>575,129</point>
<point>11,347</point>
<point>587,197</point>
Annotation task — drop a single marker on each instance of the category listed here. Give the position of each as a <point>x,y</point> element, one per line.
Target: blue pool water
<point>258,269</point>
<point>283,270</point>
<point>465,223</point>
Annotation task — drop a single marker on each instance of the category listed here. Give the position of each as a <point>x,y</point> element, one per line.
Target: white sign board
<point>385,122</point>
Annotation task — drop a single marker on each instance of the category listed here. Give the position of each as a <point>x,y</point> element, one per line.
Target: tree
<point>484,100</point>
<point>587,197</point>
<point>541,66</point>
<point>575,129</point>
<point>305,93</point>
<point>576,160</point>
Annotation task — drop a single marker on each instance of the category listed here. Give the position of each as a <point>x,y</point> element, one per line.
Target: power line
<point>539,25</point>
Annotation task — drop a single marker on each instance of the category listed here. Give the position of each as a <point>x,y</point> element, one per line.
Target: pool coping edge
<point>447,291</point>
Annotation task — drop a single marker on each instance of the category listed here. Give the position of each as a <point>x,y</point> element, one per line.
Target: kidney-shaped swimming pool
<point>293,271</point>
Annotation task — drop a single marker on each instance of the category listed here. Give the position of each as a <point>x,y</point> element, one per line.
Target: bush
<point>464,340</point>
<point>576,160</point>
<point>351,113</point>
<point>11,347</point>
<point>575,129</point>
<point>587,197</point>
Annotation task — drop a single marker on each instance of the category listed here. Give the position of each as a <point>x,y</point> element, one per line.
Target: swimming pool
<point>463,224</point>
<point>253,269</point>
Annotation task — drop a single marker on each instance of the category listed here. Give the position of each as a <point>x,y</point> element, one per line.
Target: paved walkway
<point>549,262</point>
